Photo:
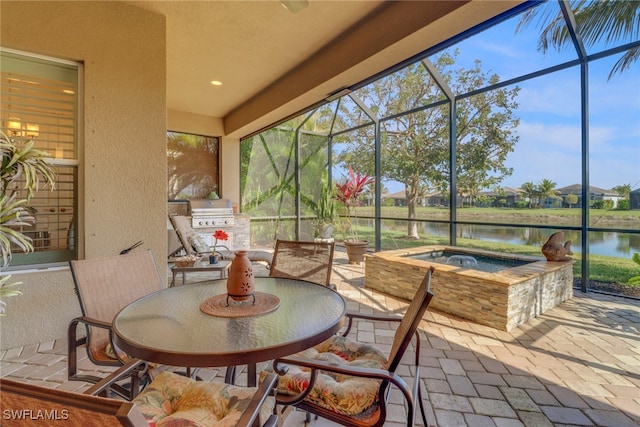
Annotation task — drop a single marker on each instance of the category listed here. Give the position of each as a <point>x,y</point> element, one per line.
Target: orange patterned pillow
<point>342,394</point>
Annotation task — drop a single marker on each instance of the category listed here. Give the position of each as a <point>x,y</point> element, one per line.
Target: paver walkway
<point>576,365</point>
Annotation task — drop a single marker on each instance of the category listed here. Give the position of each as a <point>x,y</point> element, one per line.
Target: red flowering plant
<point>219,235</point>
<point>348,193</point>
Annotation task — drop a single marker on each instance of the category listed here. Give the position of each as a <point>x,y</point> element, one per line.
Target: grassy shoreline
<point>621,219</point>
<point>606,269</point>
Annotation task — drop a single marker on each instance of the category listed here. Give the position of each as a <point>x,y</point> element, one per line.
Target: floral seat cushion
<point>342,394</point>
<point>174,400</point>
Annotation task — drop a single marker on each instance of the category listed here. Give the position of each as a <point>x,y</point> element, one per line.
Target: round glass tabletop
<point>168,326</point>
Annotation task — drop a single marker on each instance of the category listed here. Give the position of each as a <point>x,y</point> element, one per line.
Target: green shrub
<point>521,204</point>
<point>623,205</point>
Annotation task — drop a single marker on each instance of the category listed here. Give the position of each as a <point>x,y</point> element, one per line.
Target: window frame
<point>63,141</point>
<point>214,172</point>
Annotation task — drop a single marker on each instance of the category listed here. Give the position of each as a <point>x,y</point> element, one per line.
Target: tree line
<point>536,194</point>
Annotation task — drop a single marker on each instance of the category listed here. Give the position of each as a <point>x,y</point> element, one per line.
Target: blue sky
<point>550,129</point>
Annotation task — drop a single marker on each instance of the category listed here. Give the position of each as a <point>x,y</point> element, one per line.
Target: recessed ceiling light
<point>216,83</point>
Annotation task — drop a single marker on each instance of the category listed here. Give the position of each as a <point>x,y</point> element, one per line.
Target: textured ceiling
<point>244,44</point>
<point>273,63</point>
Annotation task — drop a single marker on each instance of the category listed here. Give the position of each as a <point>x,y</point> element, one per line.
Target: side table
<point>220,266</point>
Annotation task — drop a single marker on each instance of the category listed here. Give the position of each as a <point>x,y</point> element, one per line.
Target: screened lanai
<point>537,113</point>
<point>563,125</point>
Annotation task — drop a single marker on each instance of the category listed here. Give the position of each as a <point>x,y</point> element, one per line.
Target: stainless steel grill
<point>208,215</point>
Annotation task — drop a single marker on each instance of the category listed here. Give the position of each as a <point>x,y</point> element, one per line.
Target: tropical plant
<point>22,169</point>
<point>611,20</point>
<point>530,190</point>
<point>325,207</point>
<point>348,193</point>
<point>546,190</point>
<point>7,290</point>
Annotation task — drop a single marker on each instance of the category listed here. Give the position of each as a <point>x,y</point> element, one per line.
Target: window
<point>39,102</point>
<point>193,171</point>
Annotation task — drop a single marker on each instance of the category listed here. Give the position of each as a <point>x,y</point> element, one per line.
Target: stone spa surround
<point>502,300</point>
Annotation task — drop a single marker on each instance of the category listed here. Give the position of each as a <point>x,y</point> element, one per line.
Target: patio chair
<point>348,382</point>
<point>104,286</point>
<point>22,402</point>
<point>192,244</point>
<point>169,400</point>
<point>311,261</point>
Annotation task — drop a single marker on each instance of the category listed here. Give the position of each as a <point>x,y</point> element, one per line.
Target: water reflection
<point>614,244</point>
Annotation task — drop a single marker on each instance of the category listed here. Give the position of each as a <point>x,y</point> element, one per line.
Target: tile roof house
<point>595,193</point>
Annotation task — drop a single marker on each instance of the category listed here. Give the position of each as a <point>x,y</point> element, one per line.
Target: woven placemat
<point>217,305</point>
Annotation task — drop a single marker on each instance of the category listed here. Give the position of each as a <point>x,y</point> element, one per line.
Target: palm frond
<point>608,21</point>
<point>21,166</point>
<point>7,290</point>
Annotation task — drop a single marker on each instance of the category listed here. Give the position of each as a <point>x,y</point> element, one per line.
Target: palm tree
<point>546,189</point>
<point>530,190</point>
<point>611,20</point>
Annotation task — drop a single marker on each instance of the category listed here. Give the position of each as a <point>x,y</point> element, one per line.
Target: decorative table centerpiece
<point>186,261</point>
<point>217,235</point>
<point>240,283</point>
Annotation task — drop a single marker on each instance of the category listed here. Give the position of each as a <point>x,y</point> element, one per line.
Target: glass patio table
<point>168,326</point>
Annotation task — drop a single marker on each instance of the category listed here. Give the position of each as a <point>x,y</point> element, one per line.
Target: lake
<point>621,245</point>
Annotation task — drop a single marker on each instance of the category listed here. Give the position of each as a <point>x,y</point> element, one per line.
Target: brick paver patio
<point>576,365</point>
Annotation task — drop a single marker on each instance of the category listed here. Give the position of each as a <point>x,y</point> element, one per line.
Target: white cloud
<point>558,97</point>
<point>550,137</point>
<point>502,49</point>
<point>553,152</point>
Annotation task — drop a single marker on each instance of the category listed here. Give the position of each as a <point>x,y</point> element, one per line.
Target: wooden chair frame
<point>63,408</point>
<point>93,409</point>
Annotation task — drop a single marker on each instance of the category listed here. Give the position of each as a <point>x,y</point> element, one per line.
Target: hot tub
<point>522,288</point>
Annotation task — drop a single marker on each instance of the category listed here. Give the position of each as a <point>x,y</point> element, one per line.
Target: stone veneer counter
<point>502,300</point>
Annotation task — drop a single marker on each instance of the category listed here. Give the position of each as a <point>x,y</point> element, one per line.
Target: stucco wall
<point>122,148</point>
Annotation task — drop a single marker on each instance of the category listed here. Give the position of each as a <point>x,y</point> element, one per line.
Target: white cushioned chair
<point>192,243</point>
